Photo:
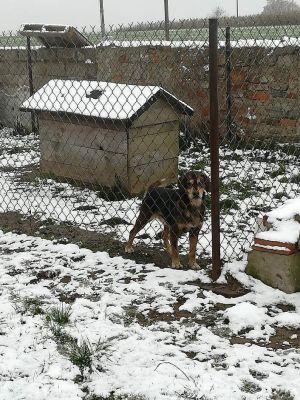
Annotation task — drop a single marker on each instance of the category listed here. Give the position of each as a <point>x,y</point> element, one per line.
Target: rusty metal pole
<point>102,19</point>
<point>167,20</point>
<point>229,133</point>
<point>30,78</point>
<point>214,147</point>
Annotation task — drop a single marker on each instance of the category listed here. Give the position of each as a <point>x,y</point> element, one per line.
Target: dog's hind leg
<point>174,248</point>
<point>141,221</point>
<point>166,238</point>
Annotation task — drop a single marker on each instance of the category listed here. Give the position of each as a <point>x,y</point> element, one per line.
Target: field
<point>262,33</point>
<point>240,33</point>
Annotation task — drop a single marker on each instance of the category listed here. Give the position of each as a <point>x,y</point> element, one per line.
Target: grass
<point>60,336</point>
<point>279,394</point>
<point>113,396</point>
<point>258,374</point>
<point>200,165</point>
<point>250,387</point>
<point>27,305</point>
<point>60,314</point>
<point>280,171</point>
<point>279,195</point>
<point>191,395</point>
<point>85,355</point>
<point>80,355</point>
<point>295,178</point>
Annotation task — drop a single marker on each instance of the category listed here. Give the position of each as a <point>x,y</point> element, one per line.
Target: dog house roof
<point>100,100</point>
<point>55,35</point>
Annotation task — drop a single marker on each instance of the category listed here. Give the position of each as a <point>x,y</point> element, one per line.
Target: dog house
<point>108,133</point>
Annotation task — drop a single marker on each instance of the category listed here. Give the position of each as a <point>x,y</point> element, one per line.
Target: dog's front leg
<point>174,247</point>
<point>193,236</point>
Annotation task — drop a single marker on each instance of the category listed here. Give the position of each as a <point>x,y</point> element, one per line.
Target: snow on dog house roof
<point>55,35</point>
<point>100,100</point>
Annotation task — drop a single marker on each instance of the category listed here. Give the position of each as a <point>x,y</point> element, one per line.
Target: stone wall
<point>266,89</point>
<point>265,82</point>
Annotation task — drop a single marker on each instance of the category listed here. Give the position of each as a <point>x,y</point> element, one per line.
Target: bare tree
<point>218,12</point>
<point>280,7</point>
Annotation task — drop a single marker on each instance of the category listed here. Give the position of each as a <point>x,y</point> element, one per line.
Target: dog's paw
<point>129,249</point>
<point>194,265</point>
<point>176,264</point>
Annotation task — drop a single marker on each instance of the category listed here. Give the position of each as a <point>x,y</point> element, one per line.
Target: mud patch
<point>231,289</point>
<point>284,338</point>
<point>95,241</point>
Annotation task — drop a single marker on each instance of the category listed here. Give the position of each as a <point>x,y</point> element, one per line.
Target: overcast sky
<point>86,12</point>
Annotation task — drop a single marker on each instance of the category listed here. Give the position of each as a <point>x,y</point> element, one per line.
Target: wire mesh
<point>260,135</point>
<point>105,121</point>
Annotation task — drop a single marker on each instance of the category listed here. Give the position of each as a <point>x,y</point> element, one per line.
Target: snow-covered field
<point>137,331</point>
<point>166,337</point>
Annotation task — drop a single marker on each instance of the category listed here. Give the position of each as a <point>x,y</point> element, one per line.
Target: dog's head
<point>195,184</point>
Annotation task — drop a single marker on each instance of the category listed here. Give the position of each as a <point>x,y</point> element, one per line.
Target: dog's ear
<point>182,182</point>
<point>206,181</point>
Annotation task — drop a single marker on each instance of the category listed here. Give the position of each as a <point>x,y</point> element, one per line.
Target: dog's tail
<point>156,183</point>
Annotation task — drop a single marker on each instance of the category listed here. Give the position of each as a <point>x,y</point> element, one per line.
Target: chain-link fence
<point>90,122</point>
<point>259,155</point>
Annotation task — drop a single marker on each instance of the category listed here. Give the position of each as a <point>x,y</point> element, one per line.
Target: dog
<point>180,210</point>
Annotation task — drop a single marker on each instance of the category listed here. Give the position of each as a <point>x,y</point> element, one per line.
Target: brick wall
<point>266,90</point>
<point>265,82</point>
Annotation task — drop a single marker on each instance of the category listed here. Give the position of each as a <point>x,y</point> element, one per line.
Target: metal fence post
<point>167,21</point>
<point>30,78</point>
<point>229,132</point>
<point>102,19</point>
<point>214,145</point>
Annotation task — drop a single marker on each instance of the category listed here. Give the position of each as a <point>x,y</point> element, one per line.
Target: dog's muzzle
<point>199,196</point>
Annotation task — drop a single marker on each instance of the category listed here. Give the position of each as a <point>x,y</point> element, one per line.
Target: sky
<point>86,13</point>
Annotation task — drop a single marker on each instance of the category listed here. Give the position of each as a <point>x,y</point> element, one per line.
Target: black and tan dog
<point>180,210</point>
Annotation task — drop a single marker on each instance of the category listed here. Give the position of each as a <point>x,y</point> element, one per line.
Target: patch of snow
<point>288,319</point>
<point>246,315</point>
<point>286,211</point>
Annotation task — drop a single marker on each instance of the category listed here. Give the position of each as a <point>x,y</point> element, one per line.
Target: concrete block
<point>279,271</point>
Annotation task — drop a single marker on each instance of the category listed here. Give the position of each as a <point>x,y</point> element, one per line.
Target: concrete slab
<point>278,271</point>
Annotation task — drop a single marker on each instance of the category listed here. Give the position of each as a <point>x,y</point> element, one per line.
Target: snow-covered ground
<point>152,352</point>
<point>147,332</point>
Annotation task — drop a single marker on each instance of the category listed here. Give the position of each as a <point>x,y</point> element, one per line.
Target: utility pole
<point>237,8</point>
<point>167,21</point>
<point>102,19</point>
